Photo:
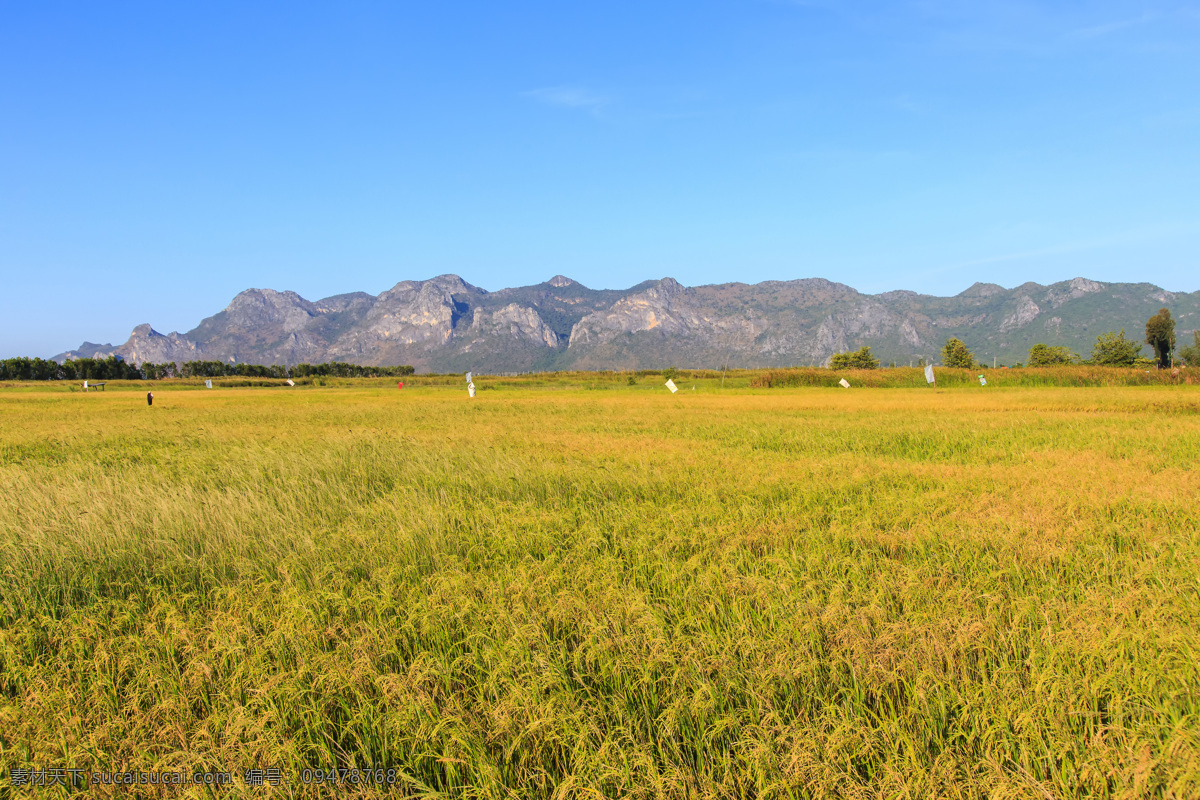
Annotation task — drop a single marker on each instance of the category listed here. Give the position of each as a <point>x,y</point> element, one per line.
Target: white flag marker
<point>929,373</point>
<point>470,390</point>
<point>208,384</point>
<point>670,384</point>
<point>468,377</point>
<point>291,382</point>
<point>982,381</point>
<point>85,386</point>
<point>844,384</point>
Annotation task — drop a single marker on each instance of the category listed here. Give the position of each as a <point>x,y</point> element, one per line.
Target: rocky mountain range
<point>447,325</point>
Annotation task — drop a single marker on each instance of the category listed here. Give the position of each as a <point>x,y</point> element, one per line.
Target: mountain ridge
<point>446,324</point>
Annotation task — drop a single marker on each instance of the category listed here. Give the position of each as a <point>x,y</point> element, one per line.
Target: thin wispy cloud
<point>1030,29</point>
<point>1021,256</point>
<point>906,102</point>
<point>1104,29</point>
<point>844,155</point>
<point>830,5</point>
<point>572,97</point>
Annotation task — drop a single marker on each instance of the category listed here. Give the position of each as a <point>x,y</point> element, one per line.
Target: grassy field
<point>590,589</point>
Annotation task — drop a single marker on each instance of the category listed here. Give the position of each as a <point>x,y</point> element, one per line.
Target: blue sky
<point>158,158</point>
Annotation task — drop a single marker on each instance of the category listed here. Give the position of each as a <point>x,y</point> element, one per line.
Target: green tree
<point>1190,355</point>
<point>1160,334</point>
<point>857,359</point>
<point>1115,350</point>
<point>956,354</point>
<point>1044,355</point>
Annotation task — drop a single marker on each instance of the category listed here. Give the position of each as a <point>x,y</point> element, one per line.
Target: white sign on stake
<point>844,384</point>
<point>670,384</point>
<point>470,390</point>
<point>208,384</point>
<point>468,377</point>
<point>982,381</point>
<point>291,382</point>
<point>929,373</point>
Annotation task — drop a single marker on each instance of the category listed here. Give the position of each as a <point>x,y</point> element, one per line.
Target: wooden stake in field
<point>149,398</point>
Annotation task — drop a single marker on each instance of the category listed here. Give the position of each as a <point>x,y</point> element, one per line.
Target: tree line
<point>1112,349</point>
<point>1117,350</point>
<point>115,368</point>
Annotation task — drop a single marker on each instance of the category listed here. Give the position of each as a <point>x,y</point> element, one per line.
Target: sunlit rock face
<point>1026,312</point>
<point>520,323</point>
<point>664,309</point>
<point>415,311</point>
<point>146,344</point>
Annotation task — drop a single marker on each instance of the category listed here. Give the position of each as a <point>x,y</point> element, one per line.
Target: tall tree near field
<point>1115,350</point>
<point>1160,334</point>
<point>956,354</point>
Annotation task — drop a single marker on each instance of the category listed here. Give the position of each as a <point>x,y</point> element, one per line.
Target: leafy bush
<point>858,359</point>
<point>956,355</point>
<point>1044,355</point>
<point>1115,350</point>
<point>1190,355</point>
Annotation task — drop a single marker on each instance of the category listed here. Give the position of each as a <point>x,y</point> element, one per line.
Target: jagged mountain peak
<point>454,284</point>
<point>448,284</point>
<point>982,290</point>
<point>270,296</point>
<point>446,324</point>
<point>1085,285</point>
<point>258,307</point>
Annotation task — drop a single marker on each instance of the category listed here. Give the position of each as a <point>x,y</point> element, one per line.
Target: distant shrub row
<point>116,369</point>
<point>1112,349</point>
<point>905,377</point>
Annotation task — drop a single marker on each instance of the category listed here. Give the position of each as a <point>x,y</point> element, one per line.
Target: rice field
<point>595,589</point>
